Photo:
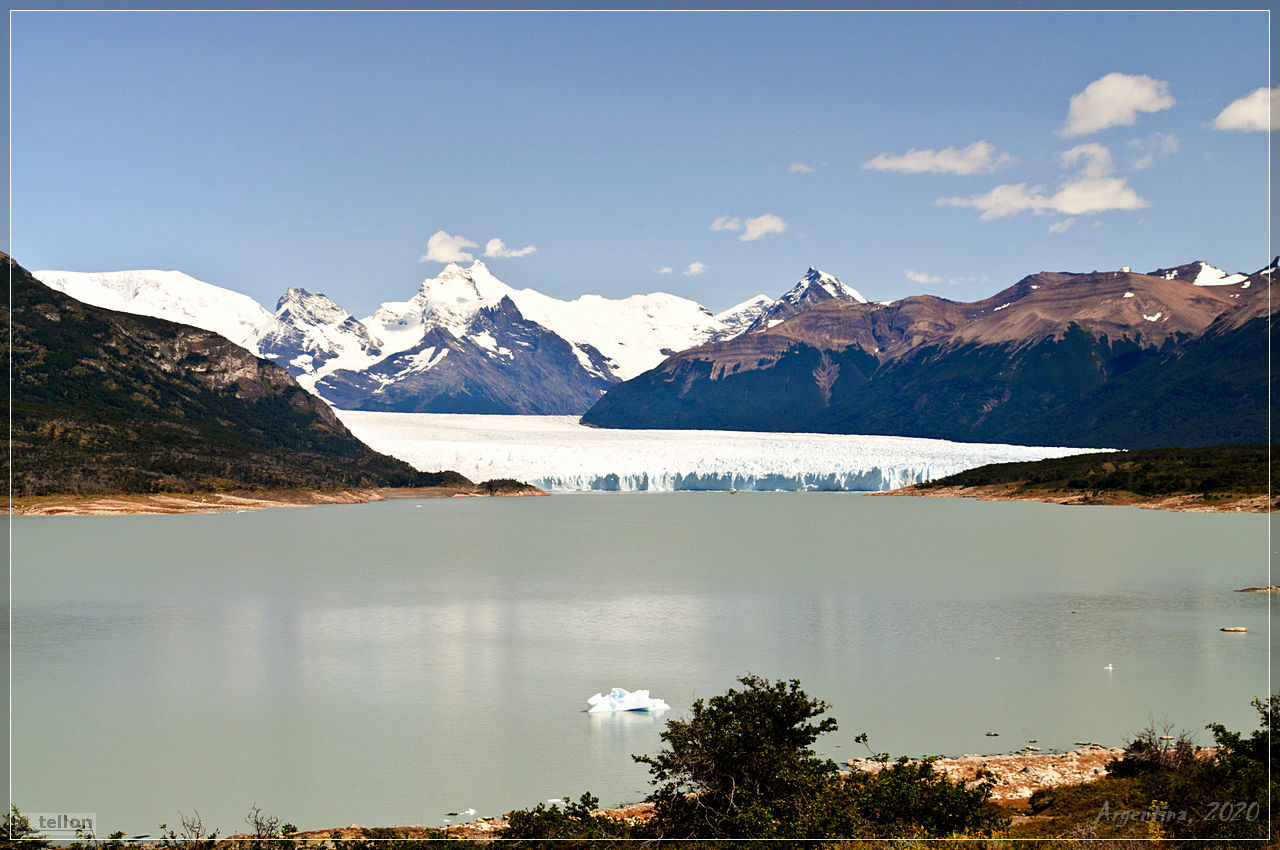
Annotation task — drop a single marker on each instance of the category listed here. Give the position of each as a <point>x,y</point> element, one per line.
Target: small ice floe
<point>620,699</point>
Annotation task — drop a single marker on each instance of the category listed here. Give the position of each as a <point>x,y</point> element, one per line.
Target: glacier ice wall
<point>556,453</point>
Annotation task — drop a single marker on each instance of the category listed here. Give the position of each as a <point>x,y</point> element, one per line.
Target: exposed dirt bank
<point>1016,493</point>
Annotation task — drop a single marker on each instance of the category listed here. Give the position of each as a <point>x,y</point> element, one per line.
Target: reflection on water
<point>383,664</point>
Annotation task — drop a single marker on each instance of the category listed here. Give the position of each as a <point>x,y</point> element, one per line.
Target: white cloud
<point>1094,195</point>
<point>1008,199</point>
<point>978,158</point>
<point>752,228</point>
<point>694,269</point>
<point>1062,226</point>
<point>1252,112</point>
<point>762,225</point>
<point>1153,146</point>
<point>800,168</point>
<point>1092,190</point>
<point>1113,101</point>
<point>921,277</point>
<point>665,270</point>
<point>1097,159</point>
<point>497,248</point>
<point>443,248</point>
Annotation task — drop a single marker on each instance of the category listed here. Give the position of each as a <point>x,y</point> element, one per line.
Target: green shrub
<point>742,766</point>
<point>910,799</point>
<point>573,820</point>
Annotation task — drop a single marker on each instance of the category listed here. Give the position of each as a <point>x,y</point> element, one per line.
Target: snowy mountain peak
<point>299,302</point>
<point>311,335</point>
<point>463,289</point>
<point>168,295</point>
<point>814,288</point>
<point>827,283</point>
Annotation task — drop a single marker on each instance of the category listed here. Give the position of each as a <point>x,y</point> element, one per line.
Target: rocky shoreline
<point>198,503</point>
<point>1017,777</point>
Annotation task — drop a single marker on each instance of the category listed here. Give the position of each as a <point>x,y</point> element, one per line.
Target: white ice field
<point>556,453</point>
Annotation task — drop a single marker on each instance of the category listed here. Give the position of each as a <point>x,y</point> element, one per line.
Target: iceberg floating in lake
<point>620,699</point>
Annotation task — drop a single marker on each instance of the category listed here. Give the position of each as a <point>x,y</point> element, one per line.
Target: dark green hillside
<point>1213,471</point>
<point>107,402</point>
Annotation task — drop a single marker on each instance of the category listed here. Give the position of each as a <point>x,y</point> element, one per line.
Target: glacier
<point>558,454</point>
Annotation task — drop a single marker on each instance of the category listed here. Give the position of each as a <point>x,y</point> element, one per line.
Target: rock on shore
<point>1019,775</point>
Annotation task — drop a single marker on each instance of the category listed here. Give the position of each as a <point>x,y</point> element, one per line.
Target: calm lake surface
<point>388,663</point>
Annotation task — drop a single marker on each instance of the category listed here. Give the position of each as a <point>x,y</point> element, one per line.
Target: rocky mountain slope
<point>111,402</point>
<point>1177,357</point>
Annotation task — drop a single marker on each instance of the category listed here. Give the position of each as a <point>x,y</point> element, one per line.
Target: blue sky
<point>324,150</point>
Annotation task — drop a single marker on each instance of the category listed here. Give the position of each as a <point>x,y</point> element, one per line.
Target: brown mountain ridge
<point>988,370</point>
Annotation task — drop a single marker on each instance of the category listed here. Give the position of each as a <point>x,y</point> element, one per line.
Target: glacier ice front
<point>556,453</point>
<point>620,699</point>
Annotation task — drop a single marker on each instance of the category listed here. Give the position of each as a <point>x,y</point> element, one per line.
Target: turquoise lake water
<point>388,663</point>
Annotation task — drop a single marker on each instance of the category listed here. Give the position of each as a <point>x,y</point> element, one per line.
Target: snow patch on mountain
<point>556,453</point>
<point>741,316</point>
<point>169,295</point>
<point>1211,276</point>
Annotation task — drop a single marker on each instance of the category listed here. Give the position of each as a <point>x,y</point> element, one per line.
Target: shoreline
<point>1183,502</point>
<point>1018,776</point>
<point>155,504</point>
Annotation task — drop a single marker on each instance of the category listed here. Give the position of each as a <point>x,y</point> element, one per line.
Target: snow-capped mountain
<point>310,335</point>
<point>168,295</point>
<point>494,361</point>
<point>465,341</point>
<point>814,288</point>
<point>633,334</point>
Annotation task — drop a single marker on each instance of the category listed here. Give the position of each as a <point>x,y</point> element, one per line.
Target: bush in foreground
<point>1166,789</point>
<point>742,766</point>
